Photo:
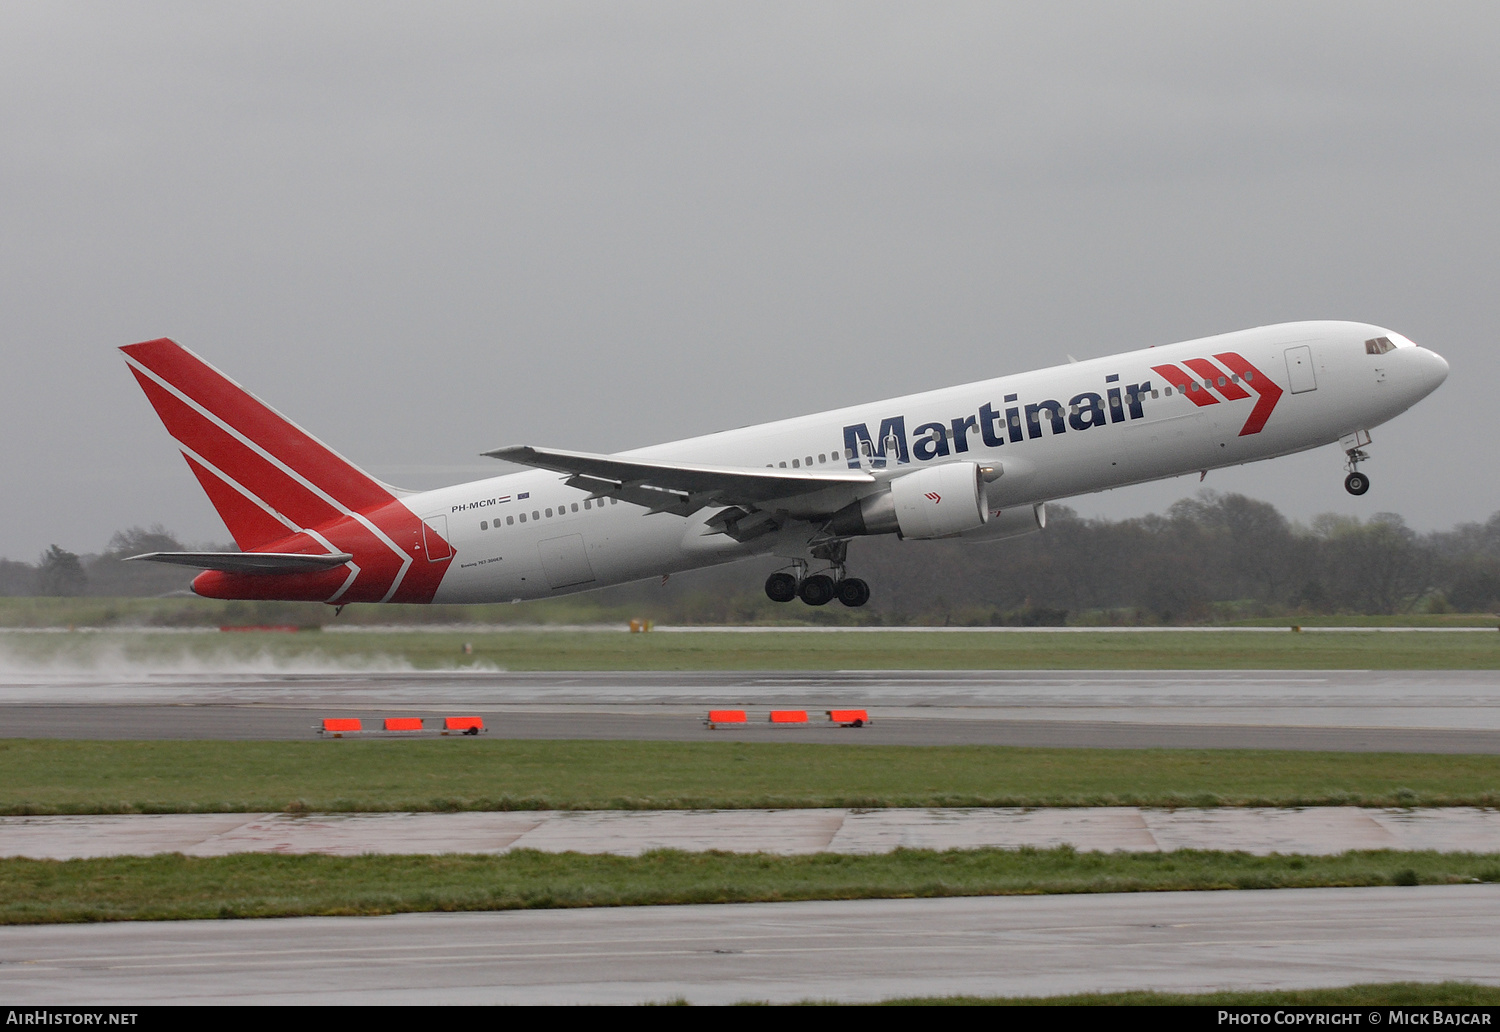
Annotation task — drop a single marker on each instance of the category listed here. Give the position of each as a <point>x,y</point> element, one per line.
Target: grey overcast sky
<point>426,230</point>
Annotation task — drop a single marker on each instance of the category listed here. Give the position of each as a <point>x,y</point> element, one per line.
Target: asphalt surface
<point>855,950</point>
<point>1401,711</point>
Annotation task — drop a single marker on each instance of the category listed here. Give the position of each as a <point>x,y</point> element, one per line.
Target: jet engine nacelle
<point>936,502</point>
<point>1010,522</point>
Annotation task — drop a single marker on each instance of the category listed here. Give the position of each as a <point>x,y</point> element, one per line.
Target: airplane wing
<point>682,488</point>
<point>249,562</point>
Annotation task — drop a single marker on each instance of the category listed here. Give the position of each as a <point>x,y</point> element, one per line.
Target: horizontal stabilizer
<point>249,562</point>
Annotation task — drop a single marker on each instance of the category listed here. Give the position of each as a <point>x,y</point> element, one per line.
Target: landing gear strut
<point>1356,483</point>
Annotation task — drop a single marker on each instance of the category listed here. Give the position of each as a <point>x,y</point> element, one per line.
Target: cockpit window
<point>1379,346</point>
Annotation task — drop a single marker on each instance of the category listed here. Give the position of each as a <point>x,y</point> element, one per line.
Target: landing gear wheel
<point>1356,483</point>
<point>853,592</point>
<point>817,590</point>
<point>781,587</point>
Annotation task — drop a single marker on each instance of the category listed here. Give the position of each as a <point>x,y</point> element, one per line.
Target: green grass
<point>708,650</point>
<point>59,776</point>
<point>1377,994</point>
<point>174,887</point>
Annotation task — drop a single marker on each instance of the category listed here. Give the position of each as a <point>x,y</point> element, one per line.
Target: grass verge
<point>1374,994</point>
<point>174,887</point>
<point>41,776</point>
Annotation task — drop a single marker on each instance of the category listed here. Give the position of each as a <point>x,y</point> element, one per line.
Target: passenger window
<point>1249,376</point>
<point>588,503</point>
<point>575,506</point>
<point>848,453</point>
<point>796,464</point>
<point>1235,378</point>
<point>822,458</point>
<point>1154,394</point>
<point>783,465</point>
<point>1221,381</point>
<point>510,521</point>
<point>1114,402</point>
<point>808,460</point>
<point>484,525</point>
<point>614,501</point>
<point>523,517</point>
<point>536,515</point>
<point>1169,392</point>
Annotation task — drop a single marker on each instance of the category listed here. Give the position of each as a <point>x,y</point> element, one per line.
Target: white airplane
<point>978,461</point>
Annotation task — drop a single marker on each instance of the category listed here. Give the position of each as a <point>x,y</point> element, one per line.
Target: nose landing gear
<point>1356,483</point>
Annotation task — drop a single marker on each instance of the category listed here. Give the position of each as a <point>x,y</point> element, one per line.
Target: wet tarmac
<point>1410,711</point>
<point>852,950</point>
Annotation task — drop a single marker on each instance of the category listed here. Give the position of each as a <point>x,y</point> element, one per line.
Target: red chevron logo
<point>934,496</point>
<point>1206,378</point>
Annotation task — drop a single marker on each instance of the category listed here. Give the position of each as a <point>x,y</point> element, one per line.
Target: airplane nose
<point>1434,368</point>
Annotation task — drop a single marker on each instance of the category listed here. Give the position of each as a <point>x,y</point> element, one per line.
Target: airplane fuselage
<point>1055,433</point>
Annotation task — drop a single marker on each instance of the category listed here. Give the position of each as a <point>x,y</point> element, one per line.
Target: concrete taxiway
<point>1415,711</point>
<point>1314,830</point>
<point>857,950</point>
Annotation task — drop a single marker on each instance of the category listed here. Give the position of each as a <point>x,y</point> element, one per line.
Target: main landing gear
<point>818,589</point>
<point>1356,483</point>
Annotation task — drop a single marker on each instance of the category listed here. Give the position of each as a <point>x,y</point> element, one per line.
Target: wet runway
<point>1312,830</point>
<point>1414,711</point>
<point>854,950</point>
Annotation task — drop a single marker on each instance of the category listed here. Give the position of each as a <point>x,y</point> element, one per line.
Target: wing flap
<point>249,562</point>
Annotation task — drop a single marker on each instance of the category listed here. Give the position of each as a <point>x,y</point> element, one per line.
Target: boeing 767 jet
<point>979,461</point>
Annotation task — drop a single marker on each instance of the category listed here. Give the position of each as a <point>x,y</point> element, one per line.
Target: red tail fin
<point>267,476</point>
<point>273,483</point>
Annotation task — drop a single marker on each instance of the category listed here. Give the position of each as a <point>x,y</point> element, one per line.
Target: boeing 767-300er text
<point>978,462</point>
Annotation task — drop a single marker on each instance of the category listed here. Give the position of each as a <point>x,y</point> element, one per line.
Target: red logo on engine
<point>1210,377</point>
<point>934,496</point>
